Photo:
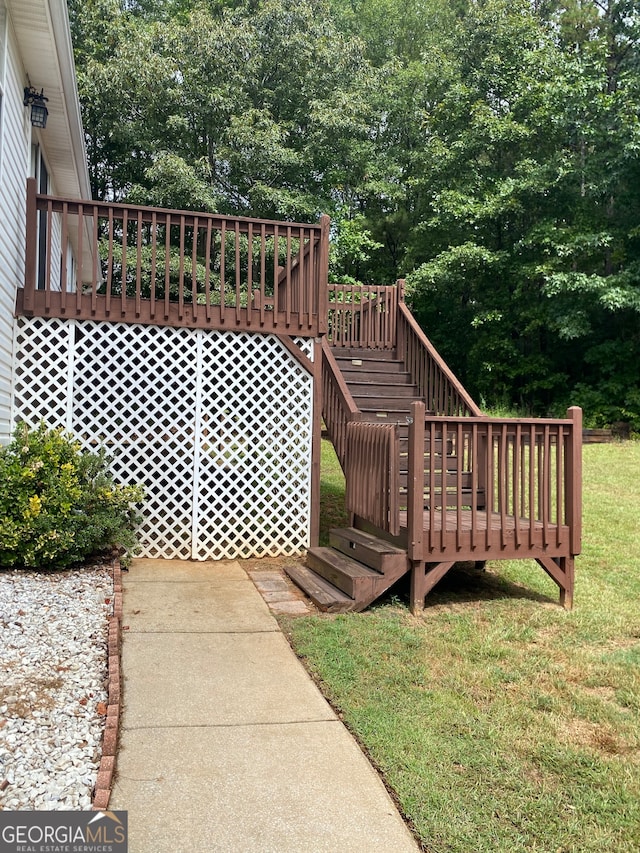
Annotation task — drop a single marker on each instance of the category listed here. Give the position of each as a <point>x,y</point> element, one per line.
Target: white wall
<point>15,141</point>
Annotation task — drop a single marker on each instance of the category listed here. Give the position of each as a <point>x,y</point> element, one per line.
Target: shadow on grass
<point>464,584</point>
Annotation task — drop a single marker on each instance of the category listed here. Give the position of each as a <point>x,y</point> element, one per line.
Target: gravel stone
<point>53,670</point>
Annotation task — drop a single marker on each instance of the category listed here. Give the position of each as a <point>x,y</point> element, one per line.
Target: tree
<point>255,109</point>
<point>526,251</point>
<point>487,150</point>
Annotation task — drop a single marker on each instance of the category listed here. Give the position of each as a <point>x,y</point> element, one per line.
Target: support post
<point>415,504</point>
<point>31,248</point>
<point>573,485</point>
<point>322,282</point>
<point>400,331</point>
<point>567,564</point>
<point>561,571</point>
<point>316,445</point>
<point>417,594</point>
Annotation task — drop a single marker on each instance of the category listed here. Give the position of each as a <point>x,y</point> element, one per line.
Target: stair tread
<point>384,381</point>
<point>366,539</point>
<point>361,394</point>
<point>324,594</point>
<point>363,352</point>
<point>382,403</point>
<point>381,412</point>
<point>350,359</point>
<point>347,565</point>
<point>363,365</point>
<point>375,380</point>
<point>386,368</point>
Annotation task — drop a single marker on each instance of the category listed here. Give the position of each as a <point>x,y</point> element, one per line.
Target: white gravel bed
<point>53,678</point>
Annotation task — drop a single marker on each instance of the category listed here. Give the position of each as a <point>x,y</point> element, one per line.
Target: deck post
<point>316,445</point>
<point>574,480</point>
<point>31,248</point>
<point>323,276</point>
<point>573,506</point>
<point>417,594</point>
<point>561,571</point>
<point>415,504</point>
<point>567,565</point>
<point>400,332</point>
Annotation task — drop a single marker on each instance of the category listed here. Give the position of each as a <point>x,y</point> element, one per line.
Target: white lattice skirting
<point>216,425</point>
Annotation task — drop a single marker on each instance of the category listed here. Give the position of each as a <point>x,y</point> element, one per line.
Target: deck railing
<point>362,316</point>
<point>372,474</point>
<point>509,483</point>
<point>101,261</point>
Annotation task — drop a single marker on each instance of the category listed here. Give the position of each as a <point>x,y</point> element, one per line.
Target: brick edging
<point>106,770</point>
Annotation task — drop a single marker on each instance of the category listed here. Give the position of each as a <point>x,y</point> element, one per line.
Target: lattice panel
<point>135,391</point>
<point>216,425</point>
<point>254,456</point>
<point>42,371</point>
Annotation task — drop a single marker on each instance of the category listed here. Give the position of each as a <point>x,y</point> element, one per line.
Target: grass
<point>502,722</point>
<point>332,511</point>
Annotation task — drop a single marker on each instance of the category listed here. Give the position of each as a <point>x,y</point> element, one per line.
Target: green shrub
<point>58,503</point>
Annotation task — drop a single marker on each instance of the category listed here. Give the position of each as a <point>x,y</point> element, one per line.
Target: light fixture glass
<point>39,111</point>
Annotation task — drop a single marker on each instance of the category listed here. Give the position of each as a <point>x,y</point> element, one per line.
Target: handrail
<point>338,406</point>
<point>441,390</point>
<point>524,474</point>
<point>362,315</point>
<point>121,262</point>
<point>372,475</point>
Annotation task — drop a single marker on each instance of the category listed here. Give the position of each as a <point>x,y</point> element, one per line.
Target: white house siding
<point>35,47</point>
<point>14,166</point>
<point>216,425</point>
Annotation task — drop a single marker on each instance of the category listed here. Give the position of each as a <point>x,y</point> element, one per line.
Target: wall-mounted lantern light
<point>36,100</point>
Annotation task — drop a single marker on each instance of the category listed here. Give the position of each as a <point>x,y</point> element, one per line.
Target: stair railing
<point>338,406</point>
<point>295,279</point>
<point>372,474</point>
<point>441,390</point>
<point>504,483</point>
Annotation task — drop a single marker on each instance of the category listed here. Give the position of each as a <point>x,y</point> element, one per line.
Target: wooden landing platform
<point>477,535</point>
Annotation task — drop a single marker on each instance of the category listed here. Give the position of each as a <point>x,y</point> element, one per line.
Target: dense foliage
<point>58,504</point>
<point>486,150</point>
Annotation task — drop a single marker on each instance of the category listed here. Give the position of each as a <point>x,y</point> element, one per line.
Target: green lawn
<point>502,722</point>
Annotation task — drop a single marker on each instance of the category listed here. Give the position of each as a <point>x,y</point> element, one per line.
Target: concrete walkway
<point>226,744</point>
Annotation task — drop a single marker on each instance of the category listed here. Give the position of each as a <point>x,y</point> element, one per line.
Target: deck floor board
<point>481,517</point>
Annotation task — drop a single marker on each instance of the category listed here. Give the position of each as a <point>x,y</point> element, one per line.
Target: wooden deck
<point>424,467</point>
<point>90,260</point>
<point>464,535</point>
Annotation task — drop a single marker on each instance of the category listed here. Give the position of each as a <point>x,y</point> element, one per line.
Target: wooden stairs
<point>383,392</point>
<point>356,570</point>
<point>358,567</point>
<point>379,384</point>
